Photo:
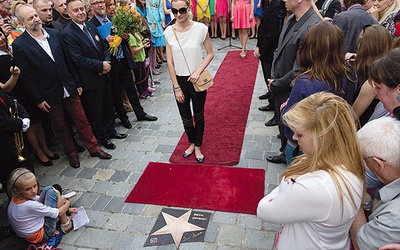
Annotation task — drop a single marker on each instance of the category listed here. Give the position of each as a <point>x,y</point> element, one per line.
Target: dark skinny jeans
<point>194,131</point>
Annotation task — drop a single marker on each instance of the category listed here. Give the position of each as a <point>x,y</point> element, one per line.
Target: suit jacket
<point>87,57</point>
<point>284,65</point>
<point>268,31</point>
<point>125,48</point>
<point>55,25</point>
<point>352,22</point>
<point>9,125</point>
<point>42,77</point>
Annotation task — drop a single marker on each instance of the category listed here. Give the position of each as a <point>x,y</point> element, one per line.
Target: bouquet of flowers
<point>126,20</point>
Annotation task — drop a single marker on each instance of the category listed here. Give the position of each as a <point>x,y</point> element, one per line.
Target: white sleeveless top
<point>192,45</point>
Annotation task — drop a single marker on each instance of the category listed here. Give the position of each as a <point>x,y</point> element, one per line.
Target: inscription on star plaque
<point>176,226</point>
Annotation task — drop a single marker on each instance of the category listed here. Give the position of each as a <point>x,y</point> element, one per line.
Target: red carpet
<point>227,189</point>
<point>226,112</point>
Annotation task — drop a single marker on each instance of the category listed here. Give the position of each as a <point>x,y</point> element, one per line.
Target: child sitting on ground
<point>34,217</point>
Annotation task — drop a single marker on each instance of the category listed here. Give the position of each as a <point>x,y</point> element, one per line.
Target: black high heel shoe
<point>53,157</point>
<point>45,163</point>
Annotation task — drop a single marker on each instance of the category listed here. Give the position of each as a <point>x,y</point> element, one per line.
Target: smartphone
<point>69,195</point>
<point>12,62</point>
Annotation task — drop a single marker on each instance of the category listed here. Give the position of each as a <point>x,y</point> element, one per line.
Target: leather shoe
<point>264,96</point>
<point>277,158</point>
<point>269,107</point>
<point>117,135</point>
<point>108,144</point>
<point>126,123</point>
<point>101,154</point>
<point>53,157</point>
<point>147,118</point>
<point>272,122</point>
<point>74,161</point>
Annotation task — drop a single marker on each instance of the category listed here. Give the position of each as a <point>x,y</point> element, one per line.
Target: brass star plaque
<point>178,226</point>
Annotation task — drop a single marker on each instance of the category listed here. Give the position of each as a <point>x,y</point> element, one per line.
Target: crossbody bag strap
<point>184,57</point>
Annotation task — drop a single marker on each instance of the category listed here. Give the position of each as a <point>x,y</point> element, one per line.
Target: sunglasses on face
<point>181,11</point>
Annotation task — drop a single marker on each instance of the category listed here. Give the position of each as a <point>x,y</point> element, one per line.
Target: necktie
<point>88,34</point>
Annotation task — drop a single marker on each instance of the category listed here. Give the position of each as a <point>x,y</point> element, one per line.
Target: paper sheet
<point>80,218</point>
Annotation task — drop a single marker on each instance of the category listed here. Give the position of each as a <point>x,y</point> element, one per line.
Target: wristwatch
<point>368,205</point>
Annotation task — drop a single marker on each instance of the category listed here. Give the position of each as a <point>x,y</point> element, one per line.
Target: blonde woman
<point>185,42</point>
<point>321,191</point>
<point>387,9</point>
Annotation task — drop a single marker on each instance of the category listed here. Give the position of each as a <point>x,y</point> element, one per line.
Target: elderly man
<point>380,146</point>
<point>47,75</point>
<point>44,10</point>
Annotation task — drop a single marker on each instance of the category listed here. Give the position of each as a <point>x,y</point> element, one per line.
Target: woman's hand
<point>15,71</point>
<point>251,17</point>
<point>194,77</point>
<point>179,96</point>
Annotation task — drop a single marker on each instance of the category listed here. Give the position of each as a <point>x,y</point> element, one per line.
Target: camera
<point>5,20</point>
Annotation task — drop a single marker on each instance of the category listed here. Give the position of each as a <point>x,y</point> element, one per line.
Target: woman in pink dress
<point>243,19</point>
<point>222,14</point>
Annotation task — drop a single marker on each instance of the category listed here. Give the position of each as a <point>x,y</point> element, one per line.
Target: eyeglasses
<point>370,157</point>
<point>181,11</point>
<point>99,3</point>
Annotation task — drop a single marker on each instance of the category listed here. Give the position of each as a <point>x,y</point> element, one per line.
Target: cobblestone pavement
<point>102,185</point>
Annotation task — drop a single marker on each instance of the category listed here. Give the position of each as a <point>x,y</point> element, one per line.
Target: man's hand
<point>80,90</point>
<point>110,38</point>
<point>269,84</point>
<point>257,53</point>
<point>106,67</point>
<point>44,106</point>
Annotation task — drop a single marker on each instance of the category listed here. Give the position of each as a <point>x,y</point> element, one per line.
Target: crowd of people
<point>328,77</point>
<point>331,68</point>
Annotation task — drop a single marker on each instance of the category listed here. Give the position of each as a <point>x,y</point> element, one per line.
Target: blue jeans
<point>289,153</point>
<point>49,197</point>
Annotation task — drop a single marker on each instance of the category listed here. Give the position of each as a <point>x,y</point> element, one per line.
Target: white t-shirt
<point>192,44</point>
<point>28,217</point>
<point>311,212</point>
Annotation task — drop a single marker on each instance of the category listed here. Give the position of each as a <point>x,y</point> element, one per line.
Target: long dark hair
<point>321,55</point>
<point>5,37</point>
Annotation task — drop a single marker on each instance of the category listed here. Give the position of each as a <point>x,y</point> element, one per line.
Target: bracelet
<point>177,89</point>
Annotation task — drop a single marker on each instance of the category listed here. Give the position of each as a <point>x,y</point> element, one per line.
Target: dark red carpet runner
<point>226,112</point>
<point>228,189</point>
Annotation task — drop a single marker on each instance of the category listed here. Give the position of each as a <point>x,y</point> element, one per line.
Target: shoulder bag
<point>205,79</point>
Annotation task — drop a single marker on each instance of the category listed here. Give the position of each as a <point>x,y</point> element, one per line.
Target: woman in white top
<point>184,69</point>
<point>321,190</point>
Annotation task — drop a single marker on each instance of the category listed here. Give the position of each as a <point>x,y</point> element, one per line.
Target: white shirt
<point>310,210</point>
<point>192,44</point>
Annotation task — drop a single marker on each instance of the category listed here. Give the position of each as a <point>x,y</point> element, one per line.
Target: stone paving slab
<point>102,185</point>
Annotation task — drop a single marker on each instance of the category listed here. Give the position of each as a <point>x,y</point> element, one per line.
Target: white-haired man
<point>380,146</point>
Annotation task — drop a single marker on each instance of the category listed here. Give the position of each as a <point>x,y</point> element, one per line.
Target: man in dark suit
<point>49,77</point>
<point>267,41</point>
<point>44,10</point>
<point>121,71</point>
<point>284,65</point>
<point>8,126</point>
<point>92,60</point>
<point>60,7</point>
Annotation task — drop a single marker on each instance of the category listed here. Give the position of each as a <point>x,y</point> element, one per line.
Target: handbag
<point>205,79</point>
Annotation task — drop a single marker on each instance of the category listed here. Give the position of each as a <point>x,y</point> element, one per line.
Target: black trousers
<point>121,76</point>
<point>98,107</point>
<point>194,129</point>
